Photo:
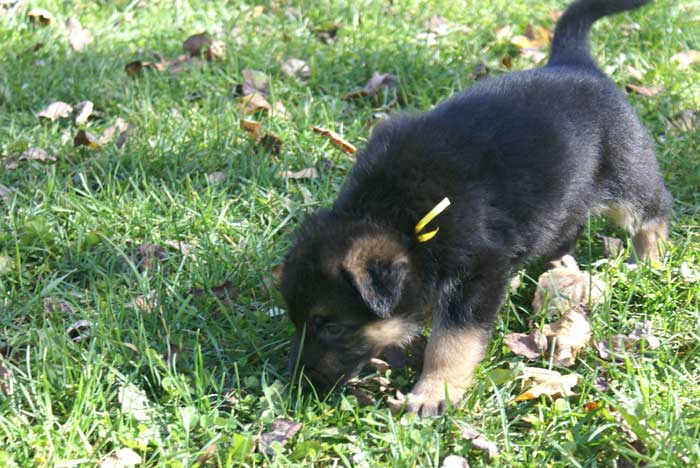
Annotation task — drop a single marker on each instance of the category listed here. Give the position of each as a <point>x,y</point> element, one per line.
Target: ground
<point>183,354</point>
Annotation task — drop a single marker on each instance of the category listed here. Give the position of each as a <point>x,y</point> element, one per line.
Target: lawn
<point>137,300</point>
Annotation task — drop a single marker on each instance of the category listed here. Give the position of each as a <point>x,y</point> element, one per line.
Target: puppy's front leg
<point>451,356</point>
<point>461,329</point>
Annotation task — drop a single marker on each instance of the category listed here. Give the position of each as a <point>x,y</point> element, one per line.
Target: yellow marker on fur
<point>439,208</point>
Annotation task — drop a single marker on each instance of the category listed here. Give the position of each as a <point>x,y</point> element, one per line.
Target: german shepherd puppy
<point>523,159</point>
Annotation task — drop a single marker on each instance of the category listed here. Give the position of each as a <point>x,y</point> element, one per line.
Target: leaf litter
<point>121,458</point>
<point>335,139</point>
<point>537,382</point>
<point>619,347</point>
<point>281,431</point>
<point>78,38</point>
<point>56,110</point>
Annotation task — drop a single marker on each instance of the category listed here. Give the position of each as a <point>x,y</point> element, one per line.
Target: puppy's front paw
<point>429,398</point>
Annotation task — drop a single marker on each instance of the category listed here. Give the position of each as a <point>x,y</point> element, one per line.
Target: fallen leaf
<point>601,383</point>
<point>207,454</point>
<point>686,58</point>
<point>10,163</point>
<point>79,331</point>
<point>374,86</point>
<point>87,139</point>
<point>135,68</point>
<point>123,137</point>
<point>56,110</point>
<point>634,73</point>
<point>120,126</point>
<point>251,127</point>
<point>40,17</point>
<point>121,458</point>
<point>612,246</point>
<point>254,103</point>
<point>565,286</point>
<point>281,431</point>
<point>255,82</point>
<point>280,111</point>
<point>185,248</point>
<point>216,177</point>
<point>54,305</point>
<point>684,121</point>
<point>5,379</point>
<point>538,382</point>
<point>134,402</point>
<point>479,71</point>
<point>84,110</point>
<point>78,38</point>
<point>531,346</point>
<point>507,61</point>
<point>534,38</point>
<point>326,32</point>
<point>478,441</point>
<point>380,365</point>
<point>146,303</point>
<point>271,143</point>
<point>149,255</point>
<point>36,154</point>
<point>5,193</point>
<point>335,139</point>
<point>591,406</point>
<point>503,32</point>
<point>216,51</point>
<point>171,354</point>
<point>455,461</point>
<point>308,173</point>
<point>196,44</point>
<point>296,68</point>
<point>688,273</point>
<point>643,90</point>
<point>438,25</point>
<point>618,347</point>
<point>568,335</point>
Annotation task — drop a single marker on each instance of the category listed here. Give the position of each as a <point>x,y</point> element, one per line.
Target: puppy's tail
<point>571,45</point>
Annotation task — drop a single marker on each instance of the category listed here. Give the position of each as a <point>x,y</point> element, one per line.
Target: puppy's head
<point>351,291</point>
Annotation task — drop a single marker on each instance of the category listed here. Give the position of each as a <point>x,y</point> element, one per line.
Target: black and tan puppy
<point>523,159</point>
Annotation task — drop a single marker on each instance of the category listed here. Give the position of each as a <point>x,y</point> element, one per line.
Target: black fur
<point>523,158</point>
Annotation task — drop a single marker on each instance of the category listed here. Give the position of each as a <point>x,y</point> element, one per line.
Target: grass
<point>70,231</point>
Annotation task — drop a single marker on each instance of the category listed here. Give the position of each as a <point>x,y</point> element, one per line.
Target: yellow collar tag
<point>439,208</point>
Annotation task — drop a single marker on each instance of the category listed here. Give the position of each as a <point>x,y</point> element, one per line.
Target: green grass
<point>71,229</point>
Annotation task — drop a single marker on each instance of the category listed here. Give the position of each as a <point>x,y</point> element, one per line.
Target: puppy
<point>441,208</point>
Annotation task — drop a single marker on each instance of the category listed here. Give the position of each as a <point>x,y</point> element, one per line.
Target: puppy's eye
<point>332,330</point>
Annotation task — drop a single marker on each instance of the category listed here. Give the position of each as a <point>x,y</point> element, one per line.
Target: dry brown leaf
<point>254,103</point>
<point>207,454</point>
<point>40,17</point>
<point>568,335</point>
<point>5,379</point>
<point>454,461</point>
<point>185,248</point>
<point>478,441</point>
<point>686,58</point>
<point>281,431</point>
<point>647,91</point>
<point>684,121</point>
<point>216,177</point>
<point>78,38</point>
<point>538,382</point>
<point>197,43</point>
<point>84,110</point>
<point>255,82</point>
<point>271,143</point>
<point>56,110</point>
<point>374,86</point>
<point>296,68</point>
<point>134,402</point>
<point>531,346</point>
<point>308,173</point>
<point>216,51</point>
<point>565,286</point>
<point>479,71</point>
<point>252,127</point>
<point>79,331</point>
<point>225,292</point>
<point>438,25</point>
<point>507,61</point>
<point>149,255</point>
<point>36,154</point>
<point>123,137</point>
<point>618,347</point>
<point>689,273</point>
<point>54,305</point>
<point>634,73</point>
<point>612,246</point>
<point>87,139</point>
<point>335,139</point>
<point>5,193</point>
<point>122,458</point>
<point>135,68</point>
<point>534,38</point>
<point>146,303</point>
<point>120,126</point>
<point>326,32</point>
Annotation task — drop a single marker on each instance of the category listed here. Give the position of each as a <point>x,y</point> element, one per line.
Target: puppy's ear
<point>378,268</point>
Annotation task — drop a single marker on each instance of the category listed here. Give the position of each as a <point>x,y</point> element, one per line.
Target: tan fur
<point>394,331</point>
<point>650,240</point>
<point>624,215</point>
<point>450,359</point>
<point>368,248</point>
